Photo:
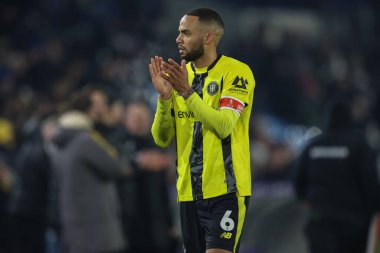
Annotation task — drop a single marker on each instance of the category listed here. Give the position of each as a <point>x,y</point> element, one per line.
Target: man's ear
<point>209,38</point>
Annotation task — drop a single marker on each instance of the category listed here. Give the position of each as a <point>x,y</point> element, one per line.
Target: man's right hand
<point>162,86</point>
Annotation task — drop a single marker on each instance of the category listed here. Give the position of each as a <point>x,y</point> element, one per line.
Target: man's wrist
<point>165,96</point>
<point>187,94</point>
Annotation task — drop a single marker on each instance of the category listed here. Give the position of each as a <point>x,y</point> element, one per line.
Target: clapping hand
<point>162,86</point>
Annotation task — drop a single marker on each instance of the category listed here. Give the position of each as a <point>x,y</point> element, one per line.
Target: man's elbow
<point>225,126</point>
<point>223,135</point>
<point>162,142</point>
<point>225,130</point>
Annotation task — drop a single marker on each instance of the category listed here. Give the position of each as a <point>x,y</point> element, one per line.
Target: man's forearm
<point>221,122</point>
<point>163,124</point>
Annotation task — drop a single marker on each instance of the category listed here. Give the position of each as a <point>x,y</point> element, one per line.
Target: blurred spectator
<point>147,215</point>
<point>336,177</point>
<point>107,114</point>
<point>99,106</point>
<point>30,193</point>
<point>7,150</point>
<point>7,141</point>
<point>6,180</point>
<point>86,169</point>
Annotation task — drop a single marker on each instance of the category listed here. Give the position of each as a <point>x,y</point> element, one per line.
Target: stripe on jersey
<point>196,154</point>
<point>196,161</point>
<point>228,165</point>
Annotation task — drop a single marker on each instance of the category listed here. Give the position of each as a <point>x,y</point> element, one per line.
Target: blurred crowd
<point>300,72</point>
<point>51,51</point>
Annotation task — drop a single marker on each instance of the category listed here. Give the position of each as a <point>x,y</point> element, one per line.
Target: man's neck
<point>206,60</point>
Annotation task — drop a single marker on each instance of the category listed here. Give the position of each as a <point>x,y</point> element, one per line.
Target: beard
<point>195,54</point>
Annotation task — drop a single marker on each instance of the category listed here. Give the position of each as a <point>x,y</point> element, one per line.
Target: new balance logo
<point>240,82</point>
<point>226,235</point>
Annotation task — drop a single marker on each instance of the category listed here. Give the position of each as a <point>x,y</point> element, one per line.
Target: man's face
<point>137,120</point>
<point>190,38</point>
<point>99,106</point>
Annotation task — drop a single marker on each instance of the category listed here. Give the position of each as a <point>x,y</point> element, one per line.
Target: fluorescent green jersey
<point>211,130</point>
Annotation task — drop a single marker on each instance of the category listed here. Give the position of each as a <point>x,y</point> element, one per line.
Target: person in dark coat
<point>336,178</point>
<point>147,214</point>
<point>87,168</point>
<point>30,192</point>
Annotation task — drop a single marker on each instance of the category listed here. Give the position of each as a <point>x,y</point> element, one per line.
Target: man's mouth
<point>181,50</point>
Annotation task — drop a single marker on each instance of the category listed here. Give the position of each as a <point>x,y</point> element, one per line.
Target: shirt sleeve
<point>238,88</point>
<point>163,124</point>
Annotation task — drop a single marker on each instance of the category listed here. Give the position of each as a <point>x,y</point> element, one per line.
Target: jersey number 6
<point>227,224</point>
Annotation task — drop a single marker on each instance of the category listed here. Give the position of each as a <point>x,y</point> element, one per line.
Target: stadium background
<point>303,53</point>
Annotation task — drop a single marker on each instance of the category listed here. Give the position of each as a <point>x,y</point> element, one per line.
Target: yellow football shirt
<point>211,129</point>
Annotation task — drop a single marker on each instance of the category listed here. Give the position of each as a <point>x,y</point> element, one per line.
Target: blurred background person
<point>147,215</point>
<point>30,192</point>
<point>6,180</point>
<point>336,177</point>
<point>7,153</point>
<point>86,169</point>
<point>100,108</point>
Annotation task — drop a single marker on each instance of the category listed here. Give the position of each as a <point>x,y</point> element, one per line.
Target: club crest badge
<point>212,88</point>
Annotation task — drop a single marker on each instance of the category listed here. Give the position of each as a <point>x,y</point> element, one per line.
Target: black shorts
<point>213,223</point>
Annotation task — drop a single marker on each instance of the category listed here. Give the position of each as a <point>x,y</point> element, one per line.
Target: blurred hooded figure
<point>30,192</point>
<point>336,179</point>
<point>87,168</point>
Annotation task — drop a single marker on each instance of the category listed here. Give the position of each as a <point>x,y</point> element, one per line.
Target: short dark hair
<point>81,100</point>
<point>207,15</point>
